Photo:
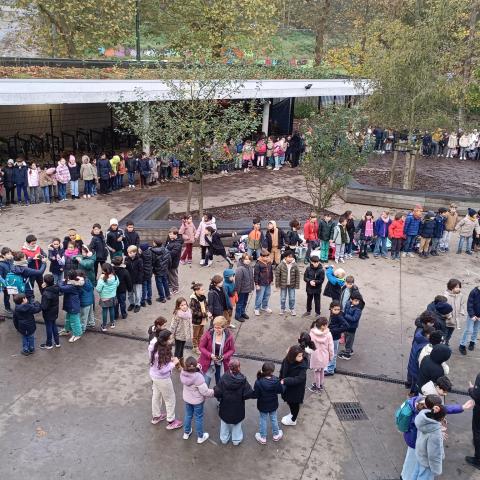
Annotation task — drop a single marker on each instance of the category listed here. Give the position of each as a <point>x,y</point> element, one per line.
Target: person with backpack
<point>24,321</point>
<point>420,340</point>
<point>20,279</point>
<point>6,262</point>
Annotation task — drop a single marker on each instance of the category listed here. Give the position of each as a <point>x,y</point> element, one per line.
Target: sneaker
<point>344,356</point>
<point>25,352</point>
<point>73,338</point>
<point>282,312</point>
<point>329,374</point>
<point>257,313</point>
<point>287,420</point>
<point>57,345</point>
<point>174,424</point>
<point>474,462</point>
<point>104,328</point>
<point>136,309</point>
<point>293,313</point>
<point>63,333</point>
<point>277,438</point>
<point>44,346</point>
<point>232,326</point>
<point>186,435</point>
<point>130,308</point>
<point>268,310</point>
<point>159,419</point>
<point>200,440</point>
<point>124,316</point>
<point>245,316</point>
<point>149,302</point>
<point>260,439</point>
<point>112,325</point>
<point>471,346</point>
<point>341,260</point>
<point>313,388</point>
<point>306,314</point>
<point>240,319</point>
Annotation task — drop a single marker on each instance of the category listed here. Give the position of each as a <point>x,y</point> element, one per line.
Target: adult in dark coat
<point>295,147</point>
<point>9,183</point>
<point>232,391</point>
<point>431,368</point>
<point>147,258</point>
<point>474,392</point>
<point>314,277</point>
<point>293,375</point>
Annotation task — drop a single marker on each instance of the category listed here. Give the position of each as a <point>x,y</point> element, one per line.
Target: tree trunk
<point>406,172</point>
<point>394,164</point>
<point>320,31</point>
<point>63,33</point>
<point>200,196</point>
<point>413,170</point>
<point>189,197</point>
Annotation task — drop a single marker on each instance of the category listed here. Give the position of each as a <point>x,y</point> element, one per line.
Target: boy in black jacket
<point>131,237</point>
<point>352,314</point>
<point>134,266</point>
<point>325,235</point>
<point>313,277</point>
<point>49,306</point>
<point>147,257</point>
<point>337,326</point>
<point>24,321</point>
<point>125,285</point>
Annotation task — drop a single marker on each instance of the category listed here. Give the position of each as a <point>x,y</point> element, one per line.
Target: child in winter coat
<point>465,228</point>
<point>50,302</point>
<point>230,294</point>
<point>131,237</point>
<point>181,327</point>
<point>261,150</point>
<point>451,219</point>
<point>266,388</point>
<point>456,299</point>
<point>98,247</point>
<point>87,303</point>
<point>215,246</point>
<point>366,229</point>
<point>72,291</point>
<point>263,278</point>
<point>440,219</point>
<point>310,234</point>
<point>161,262</point>
<point>287,278</point>
<point>340,239</point>
<point>115,238</point>
<point>381,232</point>
<point>352,314</point>
<point>195,391</point>
<point>161,366</point>
<point>174,245</point>
<point>337,326</point>
<point>56,255</point>
<point>134,266</point>
<point>244,284</point>
<point>217,298</point>
<point>396,235</point>
<point>147,257</point>
<point>313,278</point>
<point>24,321</point>
<point>107,288</point>
<point>411,229</point>
<point>200,314</point>
<point>335,282</point>
<point>71,252</point>
<point>86,263</point>
<point>429,445</point>
<point>207,221</point>
<point>426,230</point>
<point>323,353</point>
<point>33,183</point>
<point>325,235</point>
<point>124,286</point>
<point>187,232</point>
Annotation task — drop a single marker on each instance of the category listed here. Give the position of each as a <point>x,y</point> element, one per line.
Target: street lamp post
<point>137,30</point>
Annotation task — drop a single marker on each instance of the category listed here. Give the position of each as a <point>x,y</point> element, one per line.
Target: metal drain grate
<point>349,411</point>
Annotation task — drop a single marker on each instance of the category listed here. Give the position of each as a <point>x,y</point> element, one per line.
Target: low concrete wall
<point>405,199</point>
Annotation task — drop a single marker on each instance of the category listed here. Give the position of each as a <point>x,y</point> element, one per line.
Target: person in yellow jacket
<point>114,162</point>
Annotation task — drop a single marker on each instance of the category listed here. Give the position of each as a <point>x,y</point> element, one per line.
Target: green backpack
<point>14,283</point>
<point>403,417</point>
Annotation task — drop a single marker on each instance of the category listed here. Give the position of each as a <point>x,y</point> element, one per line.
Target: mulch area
<point>434,174</point>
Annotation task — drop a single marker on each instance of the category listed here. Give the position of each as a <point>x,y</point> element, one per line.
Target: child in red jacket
<point>395,232</point>
<point>310,233</point>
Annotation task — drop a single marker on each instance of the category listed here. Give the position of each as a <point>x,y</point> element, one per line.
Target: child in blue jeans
<point>267,388</point>
<point>24,321</point>
<point>195,391</point>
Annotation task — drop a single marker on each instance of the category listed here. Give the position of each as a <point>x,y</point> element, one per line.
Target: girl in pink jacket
<point>195,391</point>
<point>323,353</point>
<point>187,231</point>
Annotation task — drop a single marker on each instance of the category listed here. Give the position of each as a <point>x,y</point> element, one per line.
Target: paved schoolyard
<point>85,413</point>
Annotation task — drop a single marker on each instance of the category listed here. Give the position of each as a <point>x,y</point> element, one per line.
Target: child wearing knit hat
<point>465,228</point>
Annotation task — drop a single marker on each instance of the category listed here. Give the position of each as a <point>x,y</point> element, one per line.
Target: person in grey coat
<point>429,445</point>
<point>244,284</point>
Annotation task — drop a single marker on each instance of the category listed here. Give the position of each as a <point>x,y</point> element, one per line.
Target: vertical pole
<point>137,30</point>
<point>146,128</point>
<point>52,146</point>
<point>266,117</point>
<point>292,112</point>
<point>112,132</point>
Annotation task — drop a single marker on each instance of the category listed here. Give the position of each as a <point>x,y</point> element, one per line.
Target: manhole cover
<point>349,411</point>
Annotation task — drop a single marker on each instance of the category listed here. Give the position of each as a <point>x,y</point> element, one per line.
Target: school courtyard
<point>83,411</point>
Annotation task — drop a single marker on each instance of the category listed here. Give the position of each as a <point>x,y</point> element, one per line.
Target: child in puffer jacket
<point>426,230</point>
<point>396,235</point>
<point>195,391</point>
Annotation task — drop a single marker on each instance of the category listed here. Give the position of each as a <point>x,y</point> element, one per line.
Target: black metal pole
<point>52,146</point>
<point>137,29</point>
